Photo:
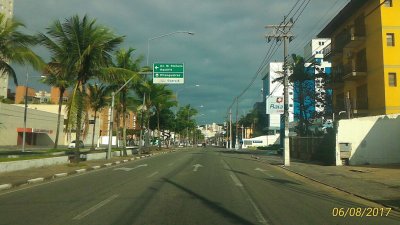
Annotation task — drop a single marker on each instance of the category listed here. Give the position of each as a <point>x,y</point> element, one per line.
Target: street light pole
<point>25,111</point>
<point>161,36</point>
<point>147,64</point>
<point>111,121</point>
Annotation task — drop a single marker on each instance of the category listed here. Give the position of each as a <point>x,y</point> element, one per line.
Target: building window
<point>388,3</point>
<point>392,80</point>
<point>390,39</point>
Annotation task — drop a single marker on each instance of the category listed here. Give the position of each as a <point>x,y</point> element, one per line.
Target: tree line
<point>86,59</point>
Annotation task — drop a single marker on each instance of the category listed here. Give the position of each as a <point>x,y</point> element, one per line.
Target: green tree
<point>15,47</point>
<point>162,98</point>
<point>124,61</point>
<point>85,51</point>
<point>184,120</point>
<point>165,120</point>
<point>57,77</point>
<point>98,96</point>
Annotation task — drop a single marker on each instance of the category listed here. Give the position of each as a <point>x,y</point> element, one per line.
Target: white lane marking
<point>263,172</point>
<point>196,167</point>
<point>236,180</point>
<point>94,208</point>
<point>129,169</point>
<point>153,174</point>
<point>225,165</point>
<point>257,212</point>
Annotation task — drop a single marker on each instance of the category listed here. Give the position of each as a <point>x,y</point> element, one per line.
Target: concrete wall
<point>33,163</point>
<point>66,139</point>
<point>12,117</point>
<point>374,140</point>
<point>95,156</point>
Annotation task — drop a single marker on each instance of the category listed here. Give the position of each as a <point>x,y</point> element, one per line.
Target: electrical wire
<point>275,47</point>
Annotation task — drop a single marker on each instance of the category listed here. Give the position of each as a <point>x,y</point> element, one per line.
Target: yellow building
<point>365,55</point>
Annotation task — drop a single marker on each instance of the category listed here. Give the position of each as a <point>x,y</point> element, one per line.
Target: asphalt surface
<point>201,186</point>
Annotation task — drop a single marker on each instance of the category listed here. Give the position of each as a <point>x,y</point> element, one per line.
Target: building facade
<point>7,9</point>
<point>275,88</point>
<point>316,64</point>
<point>40,126</point>
<point>364,54</point>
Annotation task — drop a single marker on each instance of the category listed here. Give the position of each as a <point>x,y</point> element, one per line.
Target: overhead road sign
<point>168,73</point>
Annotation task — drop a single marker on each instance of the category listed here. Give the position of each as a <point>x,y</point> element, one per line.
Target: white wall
<point>374,140</point>
<point>261,141</point>
<point>64,139</point>
<point>12,117</point>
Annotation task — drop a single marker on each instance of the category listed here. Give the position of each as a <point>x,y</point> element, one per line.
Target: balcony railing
<point>355,37</point>
<point>355,70</point>
<point>336,78</point>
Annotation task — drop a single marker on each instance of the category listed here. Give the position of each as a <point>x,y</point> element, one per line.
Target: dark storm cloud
<point>222,56</point>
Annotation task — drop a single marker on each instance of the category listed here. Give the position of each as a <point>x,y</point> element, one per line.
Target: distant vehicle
<point>72,144</point>
<point>199,145</point>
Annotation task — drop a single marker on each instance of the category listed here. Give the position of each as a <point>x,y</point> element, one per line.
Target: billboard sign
<point>274,105</point>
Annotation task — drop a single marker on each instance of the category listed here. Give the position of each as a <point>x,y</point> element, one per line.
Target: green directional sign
<point>168,73</point>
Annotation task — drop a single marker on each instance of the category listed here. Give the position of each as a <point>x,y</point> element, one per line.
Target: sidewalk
<point>18,178</point>
<point>380,184</point>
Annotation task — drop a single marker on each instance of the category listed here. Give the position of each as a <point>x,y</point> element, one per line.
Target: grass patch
<point>25,158</point>
<point>79,164</point>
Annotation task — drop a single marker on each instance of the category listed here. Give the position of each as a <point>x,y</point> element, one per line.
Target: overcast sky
<point>222,57</point>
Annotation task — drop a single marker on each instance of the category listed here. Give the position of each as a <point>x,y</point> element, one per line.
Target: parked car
<point>72,144</point>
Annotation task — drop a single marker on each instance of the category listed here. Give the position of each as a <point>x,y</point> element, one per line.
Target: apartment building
<point>365,57</point>
<point>315,64</point>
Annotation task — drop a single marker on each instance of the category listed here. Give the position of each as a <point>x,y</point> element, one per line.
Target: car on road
<point>73,144</point>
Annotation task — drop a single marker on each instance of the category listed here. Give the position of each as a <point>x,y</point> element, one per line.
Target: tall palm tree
<point>98,96</point>
<point>85,50</point>
<point>124,61</point>
<point>56,77</point>
<point>15,47</point>
<point>162,98</point>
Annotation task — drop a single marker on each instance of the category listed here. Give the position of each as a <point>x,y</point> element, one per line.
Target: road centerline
<point>94,208</point>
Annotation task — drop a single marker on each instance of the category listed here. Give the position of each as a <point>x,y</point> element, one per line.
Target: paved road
<point>201,186</point>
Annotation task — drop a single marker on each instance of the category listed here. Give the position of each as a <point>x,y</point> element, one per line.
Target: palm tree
<point>85,50</point>
<point>15,47</point>
<point>124,61</point>
<point>56,77</point>
<point>98,96</point>
<point>162,98</point>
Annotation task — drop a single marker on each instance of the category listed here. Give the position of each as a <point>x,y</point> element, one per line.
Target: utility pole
<point>278,33</point>
<point>230,128</point>
<point>237,128</point>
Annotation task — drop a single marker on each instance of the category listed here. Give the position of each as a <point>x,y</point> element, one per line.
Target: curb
<point>35,180</point>
<point>337,188</point>
<point>5,186</point>
<point>59,175</point>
